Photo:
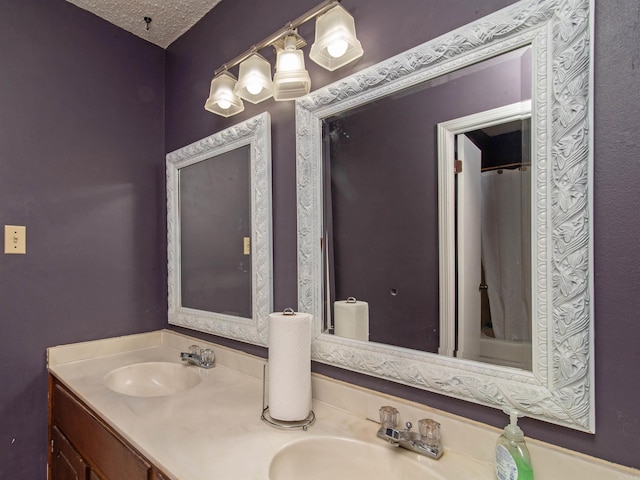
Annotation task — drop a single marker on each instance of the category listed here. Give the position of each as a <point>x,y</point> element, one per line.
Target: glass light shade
<point>336,43</point>
<point>222,101</point>
<point>254,80</point>
<point>291,79</point>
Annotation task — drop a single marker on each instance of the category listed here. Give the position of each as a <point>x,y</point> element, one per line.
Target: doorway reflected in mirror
<point>494,230</point>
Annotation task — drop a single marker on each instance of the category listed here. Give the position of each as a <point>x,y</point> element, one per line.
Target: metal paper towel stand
<point>266,416</point>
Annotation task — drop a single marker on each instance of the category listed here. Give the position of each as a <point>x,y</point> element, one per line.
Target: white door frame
<point>446,133</point>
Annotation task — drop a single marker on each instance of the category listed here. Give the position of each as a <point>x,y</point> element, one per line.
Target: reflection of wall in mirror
<point>383,213</point>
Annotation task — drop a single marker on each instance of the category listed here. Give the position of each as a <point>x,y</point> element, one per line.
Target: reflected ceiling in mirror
<point>219,232</point>
<point>559,386</point>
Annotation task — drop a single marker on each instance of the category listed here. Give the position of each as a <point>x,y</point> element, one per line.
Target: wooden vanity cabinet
<point>66,462</point>
<point>84,447</point>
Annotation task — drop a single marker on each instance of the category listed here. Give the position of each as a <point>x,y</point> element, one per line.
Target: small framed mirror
<point>219,232</point>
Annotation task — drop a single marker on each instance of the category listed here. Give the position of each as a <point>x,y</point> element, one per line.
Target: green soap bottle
<point>513,461</point>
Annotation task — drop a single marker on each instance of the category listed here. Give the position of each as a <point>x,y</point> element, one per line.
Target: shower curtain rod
<point>508,165</point>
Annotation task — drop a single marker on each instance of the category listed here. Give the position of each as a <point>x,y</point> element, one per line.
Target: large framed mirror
<point>219,232</point>
<point>392,259</point>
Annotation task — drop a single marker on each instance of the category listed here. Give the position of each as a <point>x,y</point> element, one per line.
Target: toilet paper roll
<point>289,366</point>
<point>351,319</point>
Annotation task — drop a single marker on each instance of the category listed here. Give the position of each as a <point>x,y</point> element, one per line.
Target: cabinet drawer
<point>66,461</point>
<point>103,450</point>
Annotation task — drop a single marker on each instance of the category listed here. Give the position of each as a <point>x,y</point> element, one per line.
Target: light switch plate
<point>15,239</point>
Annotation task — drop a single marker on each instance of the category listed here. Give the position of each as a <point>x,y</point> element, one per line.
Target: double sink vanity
<point>192,423</point>
<point>178,421</point>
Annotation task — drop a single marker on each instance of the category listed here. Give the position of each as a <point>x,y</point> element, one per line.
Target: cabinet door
<point>66,462</point>
<point>84,447</point>
<point>107,455</point>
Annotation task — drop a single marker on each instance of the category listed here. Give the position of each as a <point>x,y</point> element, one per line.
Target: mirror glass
<point>215,240</point>
<point>381,207</point>
<point>219,232</point>
<point>411,264</point>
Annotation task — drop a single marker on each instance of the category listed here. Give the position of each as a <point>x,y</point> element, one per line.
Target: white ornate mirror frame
<point>255,132</point>
<point>560,389</point>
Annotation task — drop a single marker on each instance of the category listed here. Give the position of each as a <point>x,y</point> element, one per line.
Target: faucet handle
<point>429,431</point>
<point>388,417</point>
<point>195,350</point>
<point>207,357</point>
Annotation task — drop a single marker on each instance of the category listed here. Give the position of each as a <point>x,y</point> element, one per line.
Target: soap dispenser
<point>513,461</point>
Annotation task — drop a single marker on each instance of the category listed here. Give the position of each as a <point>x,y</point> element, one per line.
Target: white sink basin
<point>152,379</point>
<point>322,458</point>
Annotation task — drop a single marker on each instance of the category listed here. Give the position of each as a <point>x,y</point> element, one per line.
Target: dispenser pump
<point>513,431</point>
<point>513,461</point>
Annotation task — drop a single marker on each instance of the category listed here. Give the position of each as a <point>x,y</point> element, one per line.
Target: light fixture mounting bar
<point>319,9</point>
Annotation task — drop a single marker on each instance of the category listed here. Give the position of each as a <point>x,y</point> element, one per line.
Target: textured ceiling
<point>170,18</point>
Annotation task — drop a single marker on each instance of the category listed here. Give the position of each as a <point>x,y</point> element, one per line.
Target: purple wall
<point>82,166</point>
<point>387,28</point>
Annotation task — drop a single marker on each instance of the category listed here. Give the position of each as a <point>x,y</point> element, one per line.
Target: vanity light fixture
<point>254,80</point>
<point>336,43</point>
<point>291,79</point>
<point>222,101</point>
<point>335,46</point>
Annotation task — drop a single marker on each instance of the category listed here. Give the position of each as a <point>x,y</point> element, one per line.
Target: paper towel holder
<point>266,417</point>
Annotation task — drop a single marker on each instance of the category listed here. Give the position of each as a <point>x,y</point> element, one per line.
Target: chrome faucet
<point>204,358</point>
<point>425,442</point>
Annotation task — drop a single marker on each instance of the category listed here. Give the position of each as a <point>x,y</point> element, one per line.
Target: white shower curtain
<point>506,251</point>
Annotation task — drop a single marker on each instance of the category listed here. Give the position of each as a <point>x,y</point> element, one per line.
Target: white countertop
<point>214,430</point>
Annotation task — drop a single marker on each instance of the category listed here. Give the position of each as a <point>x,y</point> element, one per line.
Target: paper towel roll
<point>289,366</point>
<point>351,319</point>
